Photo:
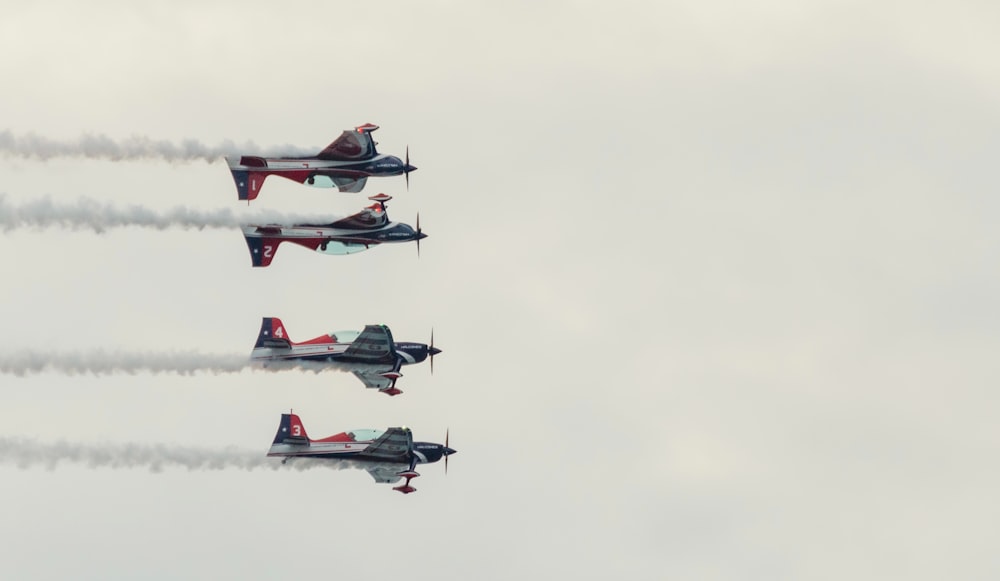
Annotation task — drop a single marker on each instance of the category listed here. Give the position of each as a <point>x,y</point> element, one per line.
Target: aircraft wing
<point>384,473</point>
<point>375,344</point>
<point>351,185</point>
<point>352,145</point>
<point>373,380</point>
<point>395,445</point>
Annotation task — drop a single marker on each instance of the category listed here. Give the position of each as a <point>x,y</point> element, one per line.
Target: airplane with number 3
<point>355,233</point>
<point>388,455</point>
<point>345,164</point>
<point>371,355</point>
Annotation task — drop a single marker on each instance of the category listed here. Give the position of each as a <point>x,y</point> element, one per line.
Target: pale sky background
<point>715,283</point>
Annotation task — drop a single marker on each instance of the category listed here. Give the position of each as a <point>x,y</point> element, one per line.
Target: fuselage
<point>330,240</point>
<point>423,452</point>
<point>335,354</point>
<point>307,169</point>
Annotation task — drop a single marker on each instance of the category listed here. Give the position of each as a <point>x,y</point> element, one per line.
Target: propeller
<point>407,168</point>
<point>418,234</point>
<point>446,434</point>
<point>431,351</point>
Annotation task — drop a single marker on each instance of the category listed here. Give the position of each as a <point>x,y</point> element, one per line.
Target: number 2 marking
<point>268,251</point>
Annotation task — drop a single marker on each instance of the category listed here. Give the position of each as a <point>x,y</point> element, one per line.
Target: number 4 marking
<point>279,333</point>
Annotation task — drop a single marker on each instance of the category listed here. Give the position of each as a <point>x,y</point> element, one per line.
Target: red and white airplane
<point>356,233</point>
<point>371,355</point>
<point>345,164</point>
<point>388,455</point>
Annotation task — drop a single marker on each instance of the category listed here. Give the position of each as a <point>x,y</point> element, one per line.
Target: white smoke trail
<point>100,362</point>
<point>33,146</point>
<point>26,453</point>
<point>88,214</point>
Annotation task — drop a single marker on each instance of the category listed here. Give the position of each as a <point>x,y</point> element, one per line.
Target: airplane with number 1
<point>345,164</point>
<point>371,355</point>
<point>355,233</point>
<point>388,455</point>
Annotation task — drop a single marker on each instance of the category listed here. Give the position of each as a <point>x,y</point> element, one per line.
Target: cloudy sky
<point>715,283</point>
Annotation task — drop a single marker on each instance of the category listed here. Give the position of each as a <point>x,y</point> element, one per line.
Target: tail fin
<point>272,334</point>
<point>248,182</point>
<point>291,431</point>
<point>262,250</point>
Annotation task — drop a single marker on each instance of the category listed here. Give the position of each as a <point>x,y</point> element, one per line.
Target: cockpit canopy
<point>344,336</point>
<point>365,434</point>
<point>371,217</point>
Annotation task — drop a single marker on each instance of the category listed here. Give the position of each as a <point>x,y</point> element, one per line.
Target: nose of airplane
<point>448,451</point>
<point>432,351</point>
<point>421,235</point>
<point>408,168</point>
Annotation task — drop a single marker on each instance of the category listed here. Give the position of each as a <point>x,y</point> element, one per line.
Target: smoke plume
<point>109,362</point>
<point>137,147</point>
<point>88,214</point>
<point>27,453</point>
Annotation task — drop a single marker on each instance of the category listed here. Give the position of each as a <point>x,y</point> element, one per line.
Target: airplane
<point>371,355</point>
<point>345,164</point>
<point>388,455</point>
<point>356,233</point>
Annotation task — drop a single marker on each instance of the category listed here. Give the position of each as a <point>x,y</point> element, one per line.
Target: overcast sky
<point>715,284</point>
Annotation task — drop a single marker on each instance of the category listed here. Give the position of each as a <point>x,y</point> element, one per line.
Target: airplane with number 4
<point>371,355</point>
<point>388,455</point>
<point>345,164</point>
<point>355,233</point>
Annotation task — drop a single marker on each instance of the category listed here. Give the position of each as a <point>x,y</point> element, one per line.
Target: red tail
<point>296,429</point>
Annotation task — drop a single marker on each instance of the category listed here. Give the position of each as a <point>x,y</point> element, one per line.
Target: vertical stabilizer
<point>291,431</point>
<point>272,334</point>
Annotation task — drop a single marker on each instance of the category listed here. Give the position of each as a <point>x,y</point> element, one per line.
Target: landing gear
<point>409,475</point>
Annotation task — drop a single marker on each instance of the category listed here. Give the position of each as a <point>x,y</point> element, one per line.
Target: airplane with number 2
<point>355,233</point>
<point>388,455</point>
<point>345,164</point>
<point>371,355</point>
